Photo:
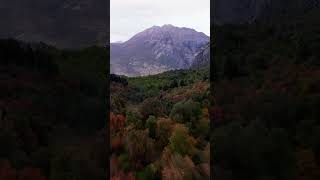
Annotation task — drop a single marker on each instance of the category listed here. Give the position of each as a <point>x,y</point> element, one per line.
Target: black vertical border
<point>107,120</point>
<point>211,70</point>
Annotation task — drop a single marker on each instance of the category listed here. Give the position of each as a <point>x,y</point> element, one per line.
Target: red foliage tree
<point>117,122</point>
<point>30,173</point>
<point>7,172</point>
<point>217,114</point>
<point>116,143</point>
<point>122,176</point>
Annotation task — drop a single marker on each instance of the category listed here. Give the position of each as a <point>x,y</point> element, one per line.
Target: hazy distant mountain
<point>156,50</point>
<point>64,23</point>
<point>237,12</point>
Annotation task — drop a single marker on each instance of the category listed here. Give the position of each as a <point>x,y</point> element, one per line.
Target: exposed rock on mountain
<point>202,58</point>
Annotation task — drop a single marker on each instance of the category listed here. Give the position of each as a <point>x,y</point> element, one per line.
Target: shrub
<point>151,124</point>
<point>181,142</point>
<point>140,147</point>
<point>177,166</point>
<point>151,106</point>
<point>187,111</point>
<point>135,118</point>
<point>163,131</point>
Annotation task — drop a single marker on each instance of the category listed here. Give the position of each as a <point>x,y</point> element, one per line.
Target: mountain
<point>157,49</point>
<point>202,58</point>
<point>62,23</point>
<point>246,11</point>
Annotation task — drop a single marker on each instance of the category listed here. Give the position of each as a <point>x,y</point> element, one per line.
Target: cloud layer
<point>129,17</point>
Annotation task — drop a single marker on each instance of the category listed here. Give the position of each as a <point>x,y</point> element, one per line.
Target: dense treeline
<point>160,126</point>
<point>36,57</point>
<point>266,100</point>
<point>52,112</point>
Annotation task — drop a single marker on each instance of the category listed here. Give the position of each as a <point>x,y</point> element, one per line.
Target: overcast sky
<point>129,17</point>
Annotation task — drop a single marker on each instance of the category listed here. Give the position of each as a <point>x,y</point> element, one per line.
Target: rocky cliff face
<point>202,58</point>
<point>156,50</point>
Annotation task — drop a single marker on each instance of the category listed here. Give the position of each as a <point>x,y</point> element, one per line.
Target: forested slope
<point>160,126</point>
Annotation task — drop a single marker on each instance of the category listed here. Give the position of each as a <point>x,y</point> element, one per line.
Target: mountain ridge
<point>156,49</point>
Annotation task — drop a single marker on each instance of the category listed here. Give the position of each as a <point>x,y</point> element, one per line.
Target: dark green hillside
<point>154,84</point>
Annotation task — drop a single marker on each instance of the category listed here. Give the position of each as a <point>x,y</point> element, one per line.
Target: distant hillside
<point>156,50</point>
<point>63,23</point>
<point>239,12</point>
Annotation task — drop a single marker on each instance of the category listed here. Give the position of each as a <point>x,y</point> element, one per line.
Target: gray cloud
<point>128,17</point>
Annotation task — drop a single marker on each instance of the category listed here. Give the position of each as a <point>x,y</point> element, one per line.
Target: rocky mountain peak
<point>169,34</point>
<point>157,49</point>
